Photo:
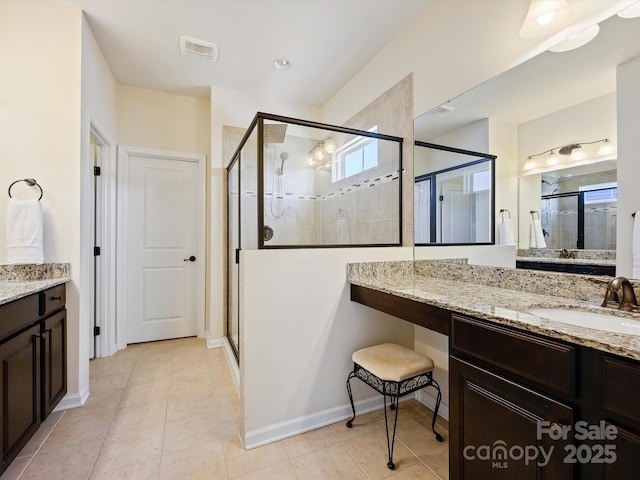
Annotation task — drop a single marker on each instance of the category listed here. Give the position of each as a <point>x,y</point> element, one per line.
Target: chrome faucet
<point>628,299</point>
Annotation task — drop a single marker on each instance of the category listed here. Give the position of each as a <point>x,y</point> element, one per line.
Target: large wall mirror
<point>454,204</point>
<point>555,117</point>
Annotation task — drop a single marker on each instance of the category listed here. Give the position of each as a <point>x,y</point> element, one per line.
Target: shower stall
<point>298,184</point>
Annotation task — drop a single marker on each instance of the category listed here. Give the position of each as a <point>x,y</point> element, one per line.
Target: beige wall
<point>153,119</point>
<point>40,55</point>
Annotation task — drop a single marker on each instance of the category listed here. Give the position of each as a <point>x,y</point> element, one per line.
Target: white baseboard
<point>213,342</point>
<point>430,402</point>
<point>233,364</point>
<point>72,400</point>
<point>295,426</point>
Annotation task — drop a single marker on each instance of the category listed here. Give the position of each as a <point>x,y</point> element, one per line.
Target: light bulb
<point>318,153</point>
<point>530,165</point>
<point>552,159</point>
<point>577,154</point>
<point>545,18</point>
<point>607,148</point>
<point>309,159</point>
<point>329,145</point>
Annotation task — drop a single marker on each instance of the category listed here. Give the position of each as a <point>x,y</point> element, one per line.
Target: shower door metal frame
<point>580,210</point>
<point>434,200</point>
<point>234,348</point>
<point>258,123</point>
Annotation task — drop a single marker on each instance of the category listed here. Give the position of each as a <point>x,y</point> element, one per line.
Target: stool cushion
<point>392,362</point>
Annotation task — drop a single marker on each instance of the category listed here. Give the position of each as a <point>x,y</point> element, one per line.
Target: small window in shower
<point>355,157</point>
<point>600,193</point>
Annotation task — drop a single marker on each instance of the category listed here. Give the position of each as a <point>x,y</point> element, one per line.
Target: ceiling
<point>544,84</point>
<point>327,41</point>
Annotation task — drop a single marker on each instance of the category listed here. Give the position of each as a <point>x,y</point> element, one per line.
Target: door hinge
<point>96,331</point>
<point>96,171</point>
<point>237,256</point>
<point>96,251</point>
<point>441,198</point>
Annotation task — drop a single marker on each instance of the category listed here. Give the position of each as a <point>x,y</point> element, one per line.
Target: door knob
<point>190,259</point>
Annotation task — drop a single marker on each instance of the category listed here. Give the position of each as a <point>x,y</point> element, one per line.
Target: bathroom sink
<point>599,321</point>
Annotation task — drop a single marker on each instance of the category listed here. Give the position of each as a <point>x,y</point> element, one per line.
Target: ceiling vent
<point>444,108</point>
<point>192,47</point>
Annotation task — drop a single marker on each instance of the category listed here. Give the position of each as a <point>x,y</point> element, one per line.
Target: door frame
<point>107,275</point>
<point>124,152</point>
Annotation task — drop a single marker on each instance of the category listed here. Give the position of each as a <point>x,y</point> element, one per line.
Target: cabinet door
<point>54,361</point>
<point>20,384</point>
<point>627,464</point>
<point>494,425</point>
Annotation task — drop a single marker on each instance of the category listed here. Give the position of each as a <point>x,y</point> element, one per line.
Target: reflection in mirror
<point>552,101</point>
<point>453,205</point>
<point>578,215</point>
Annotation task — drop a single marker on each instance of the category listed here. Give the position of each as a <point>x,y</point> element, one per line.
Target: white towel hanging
<point>24,232</point>
<point>506,232</point>
<point>539,234</point>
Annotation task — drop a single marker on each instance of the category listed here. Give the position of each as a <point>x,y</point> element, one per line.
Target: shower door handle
<point>190,259</point>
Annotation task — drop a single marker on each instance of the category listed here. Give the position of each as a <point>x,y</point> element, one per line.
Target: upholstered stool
<point>393,371</point>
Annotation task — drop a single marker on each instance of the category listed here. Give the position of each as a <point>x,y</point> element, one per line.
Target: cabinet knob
<point>555,429</point>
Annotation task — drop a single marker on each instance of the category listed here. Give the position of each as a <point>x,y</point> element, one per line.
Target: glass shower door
<point>233,278</point>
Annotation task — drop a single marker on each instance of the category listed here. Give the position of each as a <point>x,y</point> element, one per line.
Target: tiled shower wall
<point>310,209</point>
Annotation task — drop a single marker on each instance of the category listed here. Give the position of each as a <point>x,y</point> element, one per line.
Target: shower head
<point>558,180</point>
<point>283,157</point>
<point>274,132</point>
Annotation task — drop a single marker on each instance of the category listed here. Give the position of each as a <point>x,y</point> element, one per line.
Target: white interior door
<point>162,247</point>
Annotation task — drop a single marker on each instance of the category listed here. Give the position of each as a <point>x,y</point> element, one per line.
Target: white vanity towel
<point>506,232</point>
<point>536,236</point>
<point>24,232</point>
<point>537,229</point>
<point>635,247</point>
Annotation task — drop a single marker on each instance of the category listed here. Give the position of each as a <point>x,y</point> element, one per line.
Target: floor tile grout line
<point>40,446</point>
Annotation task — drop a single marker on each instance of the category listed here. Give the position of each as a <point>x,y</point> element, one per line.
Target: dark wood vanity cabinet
<point>20,386</point>
<point>54,361</point>
<point>495,415</point>
<point>33,377</point>
<point>510,388</point>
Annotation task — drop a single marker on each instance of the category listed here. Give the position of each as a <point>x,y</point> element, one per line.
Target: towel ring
<point>29,181</point>
<point>536,212</point>
<point>502,210</point>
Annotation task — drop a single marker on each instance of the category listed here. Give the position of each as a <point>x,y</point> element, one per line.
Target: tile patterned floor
<point>169,410</point>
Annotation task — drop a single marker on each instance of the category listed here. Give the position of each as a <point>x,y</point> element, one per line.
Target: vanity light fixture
<point>319,152</point>
<point>574,149</point>
<point>631,11</point>
<point>543,16</point>
<point>577,40</point>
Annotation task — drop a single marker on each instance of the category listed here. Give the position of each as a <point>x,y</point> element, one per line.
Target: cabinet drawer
<point>542,361</point>
<point>620,380</point>
<point>51,300</point>
<point>18,314</point>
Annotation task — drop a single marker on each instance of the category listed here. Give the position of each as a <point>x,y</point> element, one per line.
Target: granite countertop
<point>11,290</point>
<point>572,261</point>
<point>507,307</point>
